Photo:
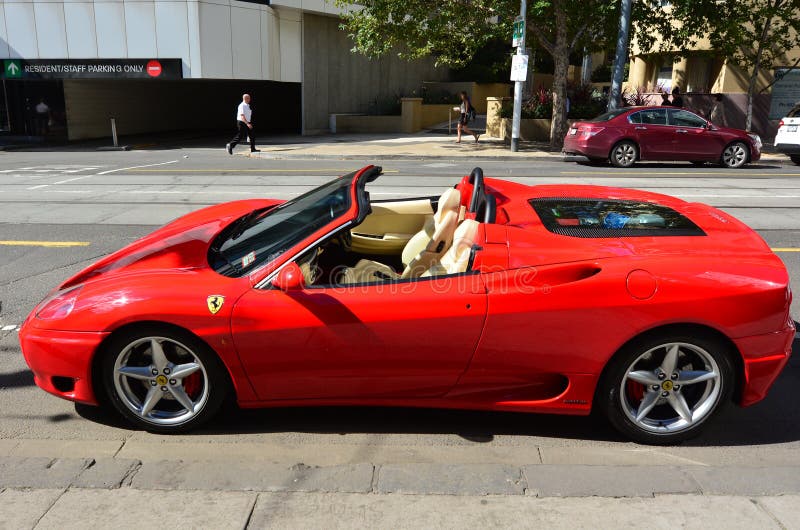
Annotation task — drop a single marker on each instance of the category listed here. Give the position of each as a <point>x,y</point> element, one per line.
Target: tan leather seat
<point>456,259</point>
<point>423,249</point>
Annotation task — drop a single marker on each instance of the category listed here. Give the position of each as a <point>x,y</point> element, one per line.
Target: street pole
<point>622,56</point>
<point>518,85</point>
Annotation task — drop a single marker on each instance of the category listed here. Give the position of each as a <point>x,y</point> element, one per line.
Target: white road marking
<point>38,187</point>
<point>136,167</point>
<point>73,179</point>
<point>9,328</point>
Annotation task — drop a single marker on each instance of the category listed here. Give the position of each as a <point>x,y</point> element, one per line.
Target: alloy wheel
<point>735,155</point>
<point>670,388</point>
<point>161,381</point>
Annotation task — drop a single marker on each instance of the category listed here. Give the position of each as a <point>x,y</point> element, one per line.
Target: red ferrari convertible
<point>496,295</point>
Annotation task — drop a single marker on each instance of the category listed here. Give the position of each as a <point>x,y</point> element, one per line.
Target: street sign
<point>93,69</point>
<point>12,69</point>
<point>519,68</point>
<point>519,31</point>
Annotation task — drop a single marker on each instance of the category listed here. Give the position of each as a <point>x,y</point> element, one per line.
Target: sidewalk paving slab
<point>106,473</point>
<point>215,475</point>
<point>399,512</point>
<point>21,509</point>
<point>40,472</point>
<point>783,508</point>
<point>747,480</point>
<point>450,479</point>
<point>135,509</point>
<point>608,481</point>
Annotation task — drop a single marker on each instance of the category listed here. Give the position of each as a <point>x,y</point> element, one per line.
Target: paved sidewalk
<point>229,491</point>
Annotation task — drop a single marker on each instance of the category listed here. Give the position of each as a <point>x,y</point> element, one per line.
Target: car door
<point>692,140</point>
<point>397,339</point>
<point>652,134</point>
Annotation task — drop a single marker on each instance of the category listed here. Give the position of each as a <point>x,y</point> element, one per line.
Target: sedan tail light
<point>588,132</point>
<point>780,124</point>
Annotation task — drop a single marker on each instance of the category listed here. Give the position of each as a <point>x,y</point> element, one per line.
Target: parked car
<point>627,135</point>
<point>497,296</point>
<point>787,141</point>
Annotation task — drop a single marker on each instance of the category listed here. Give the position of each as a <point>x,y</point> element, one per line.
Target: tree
<point>756,34</point>
<point>453,30</point>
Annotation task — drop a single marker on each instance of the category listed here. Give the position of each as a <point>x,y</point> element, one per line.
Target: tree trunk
<point>558,127</point>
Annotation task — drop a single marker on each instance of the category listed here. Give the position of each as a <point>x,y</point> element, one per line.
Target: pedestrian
<point>717,113</point>
<point>665,100</point>
<point>42,118</point>
<point>244,125</point>
<point>677,100</point>
<point>467,110</point>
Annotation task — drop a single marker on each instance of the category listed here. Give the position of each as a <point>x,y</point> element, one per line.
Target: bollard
<point>114,131</point>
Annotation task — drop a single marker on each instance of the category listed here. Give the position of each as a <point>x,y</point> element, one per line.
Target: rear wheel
<point>163,380</point>
<point>795,159</point>
<point>624,154</point>
<point>735,155</point>
<point>664,390</point>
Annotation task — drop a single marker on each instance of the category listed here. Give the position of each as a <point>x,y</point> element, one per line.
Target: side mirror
<point>290,278</point>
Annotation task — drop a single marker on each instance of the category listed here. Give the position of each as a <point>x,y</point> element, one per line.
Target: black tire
<point>795,159</point>
<point>735,155</point>
<point>128,393</point>
<point>624,154</point>
<point>661,424</point>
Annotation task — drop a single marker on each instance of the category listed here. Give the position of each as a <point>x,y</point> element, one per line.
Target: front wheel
<point>624,154</point>
<point>735,155</point>
<point>663,390</point>
<point>163,380</point>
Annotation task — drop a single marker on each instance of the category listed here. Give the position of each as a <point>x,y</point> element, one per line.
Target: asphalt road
<point>94,203</point>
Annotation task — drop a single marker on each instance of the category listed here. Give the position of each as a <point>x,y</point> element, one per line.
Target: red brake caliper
<point>635,390</point>
<point>191,384</point>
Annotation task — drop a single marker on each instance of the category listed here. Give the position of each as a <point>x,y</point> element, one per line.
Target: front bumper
<point>764,358</point>
<point>61,361</point>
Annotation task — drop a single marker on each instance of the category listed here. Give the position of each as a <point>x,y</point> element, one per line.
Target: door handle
<point>641,128</point>
<point>681,131</point>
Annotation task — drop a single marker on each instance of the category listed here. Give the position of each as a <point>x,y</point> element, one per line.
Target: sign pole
<point>518,85</point>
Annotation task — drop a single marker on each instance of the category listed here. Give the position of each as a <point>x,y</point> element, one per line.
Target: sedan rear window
<point>608,115</point>
<point>580,217</point>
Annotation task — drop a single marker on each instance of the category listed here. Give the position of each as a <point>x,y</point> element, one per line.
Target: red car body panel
<point>530,328</point>
<point>655,142</point>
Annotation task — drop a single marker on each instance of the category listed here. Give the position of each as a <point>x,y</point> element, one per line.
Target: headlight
<point>59,305</point>
<point>756,140</point>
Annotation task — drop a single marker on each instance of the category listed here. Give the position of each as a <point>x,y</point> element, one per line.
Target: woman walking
<point>466,110</point>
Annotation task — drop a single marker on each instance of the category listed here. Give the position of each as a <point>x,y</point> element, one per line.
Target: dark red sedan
<point>626,135</point>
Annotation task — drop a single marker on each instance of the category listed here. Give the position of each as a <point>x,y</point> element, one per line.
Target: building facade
<point>183,64</point>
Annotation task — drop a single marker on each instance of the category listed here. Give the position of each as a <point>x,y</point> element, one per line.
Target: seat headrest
<point>450,201</point>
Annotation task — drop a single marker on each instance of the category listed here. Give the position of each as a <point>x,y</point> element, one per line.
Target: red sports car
<point>626,135</point>
<point>495,296</point>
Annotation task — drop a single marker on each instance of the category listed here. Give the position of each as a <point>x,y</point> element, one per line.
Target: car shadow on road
<point>773,421</point>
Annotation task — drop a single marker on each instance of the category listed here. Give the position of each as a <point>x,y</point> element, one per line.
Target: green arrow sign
<point>519,30</point>
<point>13,69</point>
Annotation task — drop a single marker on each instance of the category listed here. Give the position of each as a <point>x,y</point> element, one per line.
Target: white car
<point>787,140</point>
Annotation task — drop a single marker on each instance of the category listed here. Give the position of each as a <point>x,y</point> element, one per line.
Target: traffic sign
<point>519,31</point>
<point>13,68</point>
<point>519,68</point>
<point>154,68</point>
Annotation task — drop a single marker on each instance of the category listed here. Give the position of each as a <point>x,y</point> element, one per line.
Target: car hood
<point>180,244</point>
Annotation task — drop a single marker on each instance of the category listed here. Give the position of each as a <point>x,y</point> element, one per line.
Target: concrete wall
<point>358,123</point>
<point>337,81</point>
<point>142,106</point>
<point>215,39</point>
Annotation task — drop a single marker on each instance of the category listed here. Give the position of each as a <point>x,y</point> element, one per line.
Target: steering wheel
<point>476,179</point>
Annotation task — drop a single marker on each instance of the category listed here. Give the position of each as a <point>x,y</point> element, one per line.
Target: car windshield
<point>609,115</point>
<point>263,235</point>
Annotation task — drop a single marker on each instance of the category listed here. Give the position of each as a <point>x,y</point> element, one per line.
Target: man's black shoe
<point>229,149</point>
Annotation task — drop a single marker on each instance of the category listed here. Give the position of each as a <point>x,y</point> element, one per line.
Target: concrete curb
<point>541,480</point>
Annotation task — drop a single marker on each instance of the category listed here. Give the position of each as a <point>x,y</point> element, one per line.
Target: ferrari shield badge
<point>215,302</point>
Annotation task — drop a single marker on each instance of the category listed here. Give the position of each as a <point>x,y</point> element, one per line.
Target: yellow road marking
<point>334,171</point>
<point>785,250</point>
<point>45,243</point>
